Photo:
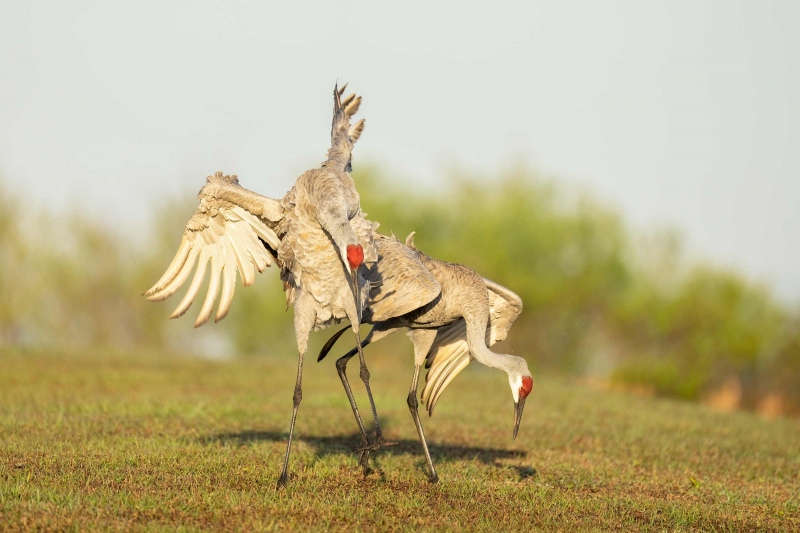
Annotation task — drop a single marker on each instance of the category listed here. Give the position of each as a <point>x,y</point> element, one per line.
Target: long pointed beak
<point>518,407</point>
<point>356,288</point>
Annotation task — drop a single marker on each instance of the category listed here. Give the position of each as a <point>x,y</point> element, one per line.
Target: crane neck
<point>510,364</point>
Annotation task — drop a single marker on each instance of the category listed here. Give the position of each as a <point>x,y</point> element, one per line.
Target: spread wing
<point>343,137</point>
<point>400,282</point>
<point>449,354</point>
<point>232,230</point>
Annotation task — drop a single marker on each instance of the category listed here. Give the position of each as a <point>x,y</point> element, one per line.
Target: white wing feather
<point>229,237</point>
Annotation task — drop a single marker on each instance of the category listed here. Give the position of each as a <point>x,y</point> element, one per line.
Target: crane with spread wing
<point>317,233</point>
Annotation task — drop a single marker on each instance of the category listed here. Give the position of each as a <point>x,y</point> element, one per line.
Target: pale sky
<point>681,114</point>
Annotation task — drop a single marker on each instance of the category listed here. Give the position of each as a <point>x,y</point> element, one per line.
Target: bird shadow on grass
<point>325,446</point>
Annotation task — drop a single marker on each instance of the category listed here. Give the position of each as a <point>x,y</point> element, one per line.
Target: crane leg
<point>296,398</point>
<point>341,367</point>
<point>303,321</point>
<point>413,405</point>
<point>423,340</point>
<point>354,315</point>
<point>380,442</point>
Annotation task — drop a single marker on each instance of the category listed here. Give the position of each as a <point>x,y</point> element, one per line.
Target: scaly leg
<point>376,333</point>
<point>422,339</point>
<point>380,442</point>
<point>303,321</point>
<point>298,395</point>
<point>354,315</point>
<point>433,477</point>
<point>341,369</point>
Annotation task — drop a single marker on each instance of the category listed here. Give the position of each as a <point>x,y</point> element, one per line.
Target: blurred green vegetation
<point>600,299</point>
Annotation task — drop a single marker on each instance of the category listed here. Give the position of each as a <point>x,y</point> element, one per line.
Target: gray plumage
<point>317,233</point>
<point>460,314</point>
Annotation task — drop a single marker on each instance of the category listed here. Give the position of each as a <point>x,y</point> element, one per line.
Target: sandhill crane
<point>467,314</point>
<point>317,233</point>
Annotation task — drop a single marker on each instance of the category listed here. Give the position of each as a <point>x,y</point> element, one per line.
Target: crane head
<point>521,386</point>
<point>355,258</point>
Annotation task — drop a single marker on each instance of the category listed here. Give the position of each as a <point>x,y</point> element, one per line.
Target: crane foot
<point>282,481</point>
<point>363,462</point>
<point>379,443</point>
<point>434,478</point>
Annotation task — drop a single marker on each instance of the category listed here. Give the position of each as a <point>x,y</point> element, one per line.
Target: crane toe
<point>377,445</point>
<point>282,481</point>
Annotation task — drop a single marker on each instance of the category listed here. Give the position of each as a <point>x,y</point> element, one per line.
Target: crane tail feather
<point>355,131</point>
<point>347,101</point>
<point>351,108</point>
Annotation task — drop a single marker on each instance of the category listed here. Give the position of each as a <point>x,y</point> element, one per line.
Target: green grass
<point>166,443</point>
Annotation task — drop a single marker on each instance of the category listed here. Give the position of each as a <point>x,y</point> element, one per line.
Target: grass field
<point>166,443</point>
